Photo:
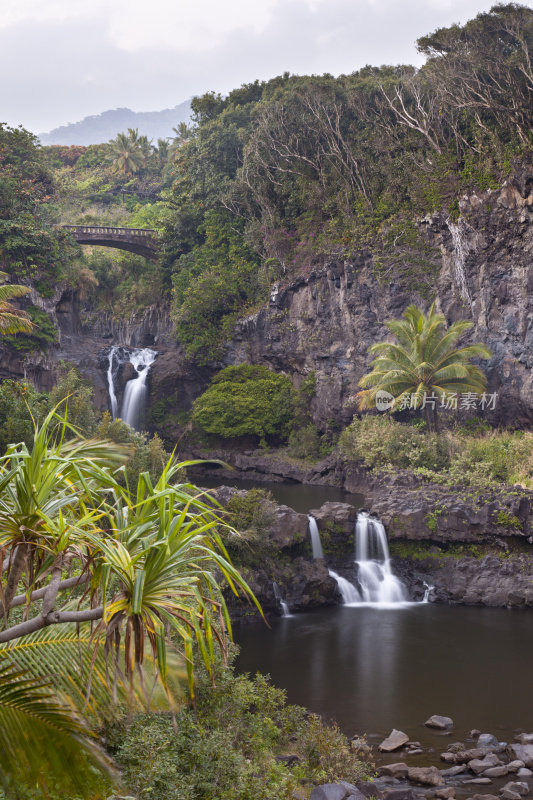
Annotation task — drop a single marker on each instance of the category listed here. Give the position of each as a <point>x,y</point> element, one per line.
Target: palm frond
<point>43,743</point>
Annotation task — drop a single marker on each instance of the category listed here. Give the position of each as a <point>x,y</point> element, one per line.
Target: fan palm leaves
<point>44,744</point>
<point>13,320</point>
<point>424,361</point>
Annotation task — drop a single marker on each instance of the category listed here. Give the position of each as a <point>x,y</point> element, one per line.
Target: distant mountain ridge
<point>105,126</point>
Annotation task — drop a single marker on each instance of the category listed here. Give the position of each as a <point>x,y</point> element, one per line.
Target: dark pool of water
<point>299,496</point>
<point>374,669</point>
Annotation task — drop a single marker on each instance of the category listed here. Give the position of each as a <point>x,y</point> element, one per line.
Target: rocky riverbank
<point>480,767</point>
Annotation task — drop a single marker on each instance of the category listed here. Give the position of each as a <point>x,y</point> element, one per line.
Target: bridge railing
<point>104,230</point>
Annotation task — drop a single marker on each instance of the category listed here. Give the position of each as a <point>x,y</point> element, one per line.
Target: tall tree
<point>424,362</point>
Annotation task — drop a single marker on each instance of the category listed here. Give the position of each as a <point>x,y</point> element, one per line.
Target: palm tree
<point>127,152</point>
<point>13,320</point>
<point>424,363</point>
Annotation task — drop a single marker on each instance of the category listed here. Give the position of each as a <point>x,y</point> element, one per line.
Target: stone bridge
<point>137,240</point>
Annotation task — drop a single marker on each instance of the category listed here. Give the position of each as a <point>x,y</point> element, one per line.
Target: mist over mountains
<point>102,127</point>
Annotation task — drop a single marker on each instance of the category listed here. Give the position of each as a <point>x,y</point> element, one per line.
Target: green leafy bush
<point>43,335</point>
<point>19,402</point>
<point>246,400</point>
<point>149,455</point>
<point>380,441</point>
<point>226,748</point>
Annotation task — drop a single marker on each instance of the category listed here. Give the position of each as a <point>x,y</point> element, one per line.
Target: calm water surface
<point>299,496</point>
<point>373,669</point>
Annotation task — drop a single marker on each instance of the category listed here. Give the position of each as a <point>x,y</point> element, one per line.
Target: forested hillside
<point>281,176</point>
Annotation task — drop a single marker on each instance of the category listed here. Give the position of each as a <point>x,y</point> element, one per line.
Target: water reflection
<point>373,669</point>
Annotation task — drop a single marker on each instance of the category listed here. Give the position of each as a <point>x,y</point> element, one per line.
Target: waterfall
<point>459,256</point>
<point>316,544</point>
<point>427,592</point>
<point>348,593</point>
<point>136,390</point>
<point>111,380</point>
<point>285,612</point>
<point>376,580</point>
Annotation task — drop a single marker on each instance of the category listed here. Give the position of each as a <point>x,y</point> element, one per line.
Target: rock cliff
<point>481,266</point>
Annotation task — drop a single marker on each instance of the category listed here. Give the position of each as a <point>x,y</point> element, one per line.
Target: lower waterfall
<point>377,585</point>
<point>376,580</point>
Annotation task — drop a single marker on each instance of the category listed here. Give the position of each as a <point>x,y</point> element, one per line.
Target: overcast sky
<point>61,60</point>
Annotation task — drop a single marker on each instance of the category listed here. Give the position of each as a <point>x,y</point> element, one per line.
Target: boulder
<point>445,793</point>
<point>402,794</point>
<point>394,741</point>
<point>523,752</point>
<point>480,781</point>
<point>487,740</point>
<point>427,776</point>
<point>438,722</point>
<point>484,797</point>
<point>519,787</point>
<point>507,794</point>
<point>496,772</point>
<point>329,791</point>
<point>448,758</point>
<point>398,770</point>
<point>469,755</point>
<point>457,770</point>
<point>366,788</point>
<point>524,772</point>
<point>524,738</point>
<point>479,765</point>
<point>514,766</point>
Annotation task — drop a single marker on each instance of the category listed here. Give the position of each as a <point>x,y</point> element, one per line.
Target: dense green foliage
<point>305,169</point>
<point>453,457</point>
<point>246,400</point>
<point>226,748</point>
<point>21,405</point>
<point>31,246</point>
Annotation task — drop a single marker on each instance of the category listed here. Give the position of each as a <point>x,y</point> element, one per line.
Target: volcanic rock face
<point>481,266</point>
<point>327,321</point>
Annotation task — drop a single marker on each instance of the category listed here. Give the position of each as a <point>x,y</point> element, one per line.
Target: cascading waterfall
<point>376,580</point>
<point>136,390</point>
<point>111,369</point>
<point>377,584</point>
<point>427,592</point>
<point>348,593</point>
<point>285,611</point>
<point>314,533</point>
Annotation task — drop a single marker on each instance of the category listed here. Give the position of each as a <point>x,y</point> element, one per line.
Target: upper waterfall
<point>136,390</point>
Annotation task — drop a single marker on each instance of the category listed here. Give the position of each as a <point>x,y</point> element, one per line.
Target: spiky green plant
<point>13,320</point>
<point>423,361</point>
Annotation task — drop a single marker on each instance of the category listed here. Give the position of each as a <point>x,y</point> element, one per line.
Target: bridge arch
<point>136,240</point>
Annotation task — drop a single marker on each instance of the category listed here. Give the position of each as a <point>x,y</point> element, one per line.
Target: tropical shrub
<point>227,748</point>
<point>246,400</point>
<point>380,442</point>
